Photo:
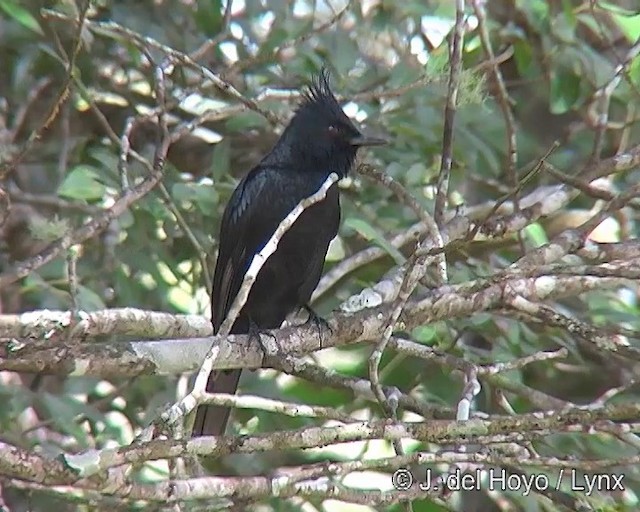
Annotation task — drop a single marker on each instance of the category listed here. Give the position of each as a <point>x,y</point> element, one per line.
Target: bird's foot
<point>320,323</point>
<point>269,348</point>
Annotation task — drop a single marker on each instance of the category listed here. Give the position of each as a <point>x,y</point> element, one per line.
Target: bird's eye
<point>333,130</point>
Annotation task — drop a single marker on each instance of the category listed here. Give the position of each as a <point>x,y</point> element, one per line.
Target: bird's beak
<point>364,140</point>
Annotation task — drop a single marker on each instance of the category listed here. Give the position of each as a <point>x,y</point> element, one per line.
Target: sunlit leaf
<point>82,183</point>
<point>371,233</point>
<point>535,232</point>
<point>424,334</point>
<point>203,196</point>
<point>21,15</point>
<point>630,25</point>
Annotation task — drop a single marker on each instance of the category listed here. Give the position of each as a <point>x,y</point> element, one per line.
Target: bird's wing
<point>255,209</point>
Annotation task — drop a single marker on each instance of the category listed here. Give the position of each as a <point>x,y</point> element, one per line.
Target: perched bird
<point>320,139</point>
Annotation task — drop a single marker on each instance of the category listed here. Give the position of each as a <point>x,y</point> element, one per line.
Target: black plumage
<point>319,140</point>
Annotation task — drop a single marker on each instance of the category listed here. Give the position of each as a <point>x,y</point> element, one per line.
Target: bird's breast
<point>316,226</point>
<point>291,273</point>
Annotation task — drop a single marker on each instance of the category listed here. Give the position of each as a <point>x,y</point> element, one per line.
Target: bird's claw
<point>320,323</point>
<point>255,334</point>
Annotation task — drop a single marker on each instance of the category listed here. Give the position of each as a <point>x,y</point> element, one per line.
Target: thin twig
<point>198,53</point>
<point>61,98</point>
<point>401,193</point>
<point>364,257</point>
<point>244,64</point>
<point>504,102</point>
<point>51,201</point>
<point>111,29</point>
<point>449,114</point>
<point>275,406</point>
<point>416,267</point>
<point>22,114</point>
<point>72,260</point>
<point>87,231</point>
<point>184,225</point>
<point>496,429</point>
<point>500,201</point>
<point>602,99</point>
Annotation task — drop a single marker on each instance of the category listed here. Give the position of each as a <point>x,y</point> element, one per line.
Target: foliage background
<point>60,89</point>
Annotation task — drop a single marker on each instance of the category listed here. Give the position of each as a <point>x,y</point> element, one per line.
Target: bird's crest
<point>319,95</point>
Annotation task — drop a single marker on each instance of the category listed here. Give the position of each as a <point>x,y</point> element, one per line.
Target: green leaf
<point>208,16</point>
<point>399,76</point>
<point>156,208</point>
<point>62,410</point>
<point>203,196</point>
<point>372,234</point>
<point>221,159</point>
<point>47,229</point>
<point>523,56</point>
<point>424,334</point>
<point>616,9</point>
<point>245,121</point>
<point>346,53</point>
<point>537,13</point>
<point>336,250</point>
<point>21,15</point>
<point>630,25</point>
<point>535,232</point>
<point>277,36</point>
<point>634,71</point>
<point>565,91</point>
<point>82,183</point>
<point>563,26</point>
<point>88,300</point>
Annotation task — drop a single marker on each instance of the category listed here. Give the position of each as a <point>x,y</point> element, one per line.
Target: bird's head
<point>321,134</point>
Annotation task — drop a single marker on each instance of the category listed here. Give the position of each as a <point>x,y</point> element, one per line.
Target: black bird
<point>319,140</point>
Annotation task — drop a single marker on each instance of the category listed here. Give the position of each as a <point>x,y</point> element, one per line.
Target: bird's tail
<point>211,420</point>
